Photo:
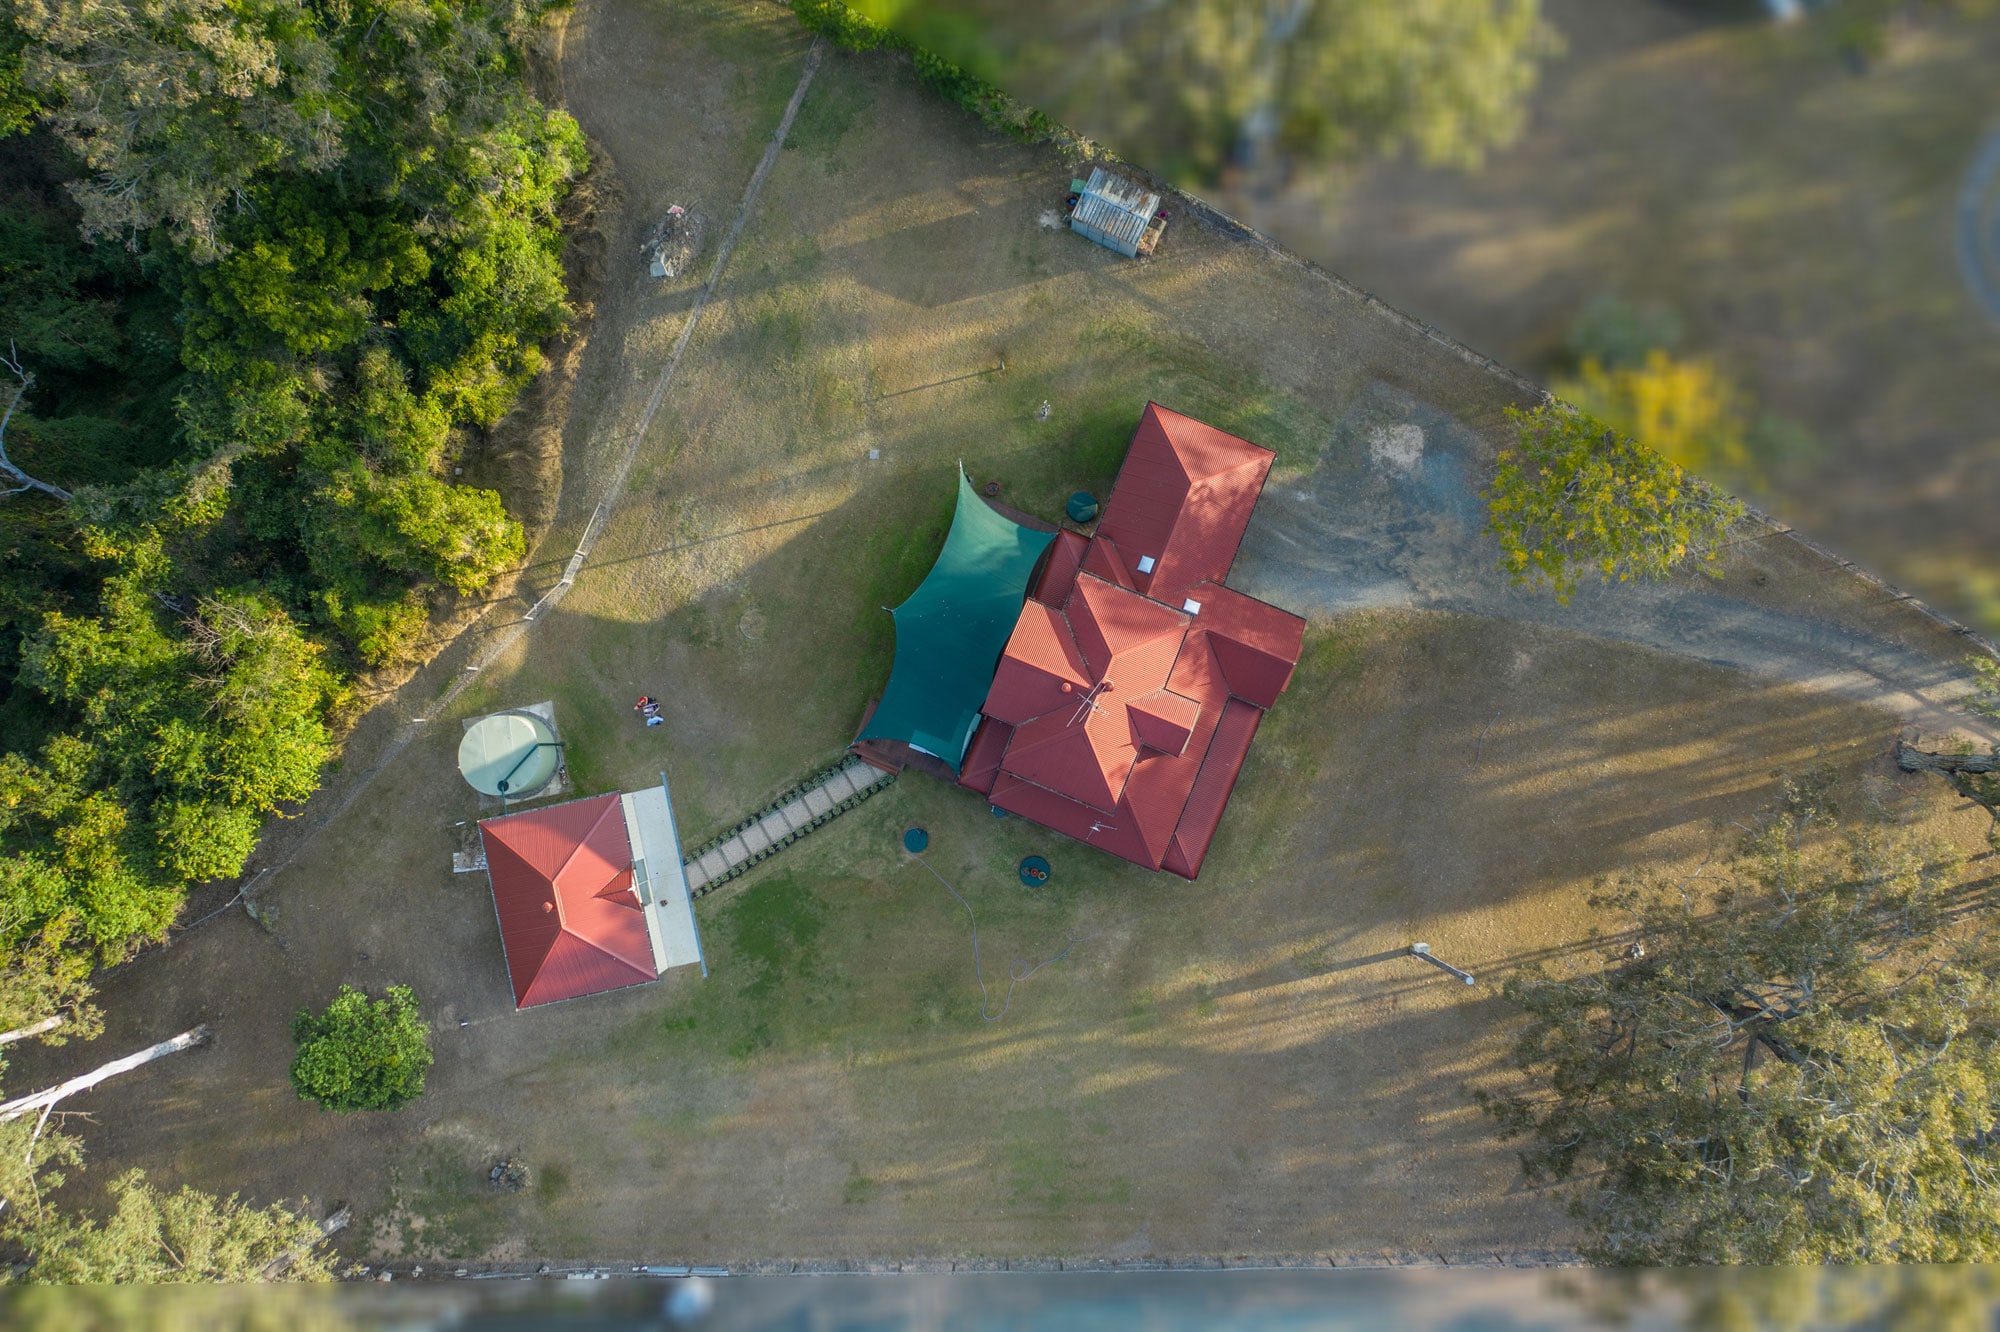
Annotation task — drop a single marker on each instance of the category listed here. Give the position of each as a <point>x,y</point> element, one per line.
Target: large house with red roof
<point>1127,696</point>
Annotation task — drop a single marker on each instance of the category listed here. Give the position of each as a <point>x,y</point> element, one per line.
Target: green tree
<point>192,727</point>
<point>1985,696</point>
<point>1973,775</point>
<point>362,1054</point>
<point>155,1236</point>
<point>176,105</point>
<point>1801,1065</point>
<point>349,253</point>
<point>1575,495</point>
<point>1194,86</point>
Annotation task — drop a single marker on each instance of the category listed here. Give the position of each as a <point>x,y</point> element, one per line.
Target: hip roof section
<point>1181,503</point>
<point>571,922</point>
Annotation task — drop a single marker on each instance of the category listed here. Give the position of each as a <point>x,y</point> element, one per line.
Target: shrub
<point>362,1054</point>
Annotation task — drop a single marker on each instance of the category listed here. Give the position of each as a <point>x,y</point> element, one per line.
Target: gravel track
<point>1390,516</point>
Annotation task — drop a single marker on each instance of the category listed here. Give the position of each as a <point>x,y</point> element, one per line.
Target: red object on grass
<point>1124,704</point>
<point>570,922</point>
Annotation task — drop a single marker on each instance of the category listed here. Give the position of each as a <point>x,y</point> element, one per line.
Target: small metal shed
<point>1116,213</point>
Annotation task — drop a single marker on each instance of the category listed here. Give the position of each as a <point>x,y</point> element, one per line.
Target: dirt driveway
<point>1389,514</point>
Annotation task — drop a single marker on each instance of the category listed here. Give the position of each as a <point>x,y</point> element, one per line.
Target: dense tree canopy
<point>1798,1064</point>
<point>270,264</point>
<point>1575,495</point>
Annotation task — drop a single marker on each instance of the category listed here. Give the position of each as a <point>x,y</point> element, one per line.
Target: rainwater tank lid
<point>505,743</point>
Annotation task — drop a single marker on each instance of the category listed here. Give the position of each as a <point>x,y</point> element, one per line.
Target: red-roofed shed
<point>571,922</point>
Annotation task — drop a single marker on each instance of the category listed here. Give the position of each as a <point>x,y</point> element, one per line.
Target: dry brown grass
<point>1246,1065</point>
<point>1799,218</point>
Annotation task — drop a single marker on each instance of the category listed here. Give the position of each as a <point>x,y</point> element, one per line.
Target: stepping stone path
<point>809,803</point>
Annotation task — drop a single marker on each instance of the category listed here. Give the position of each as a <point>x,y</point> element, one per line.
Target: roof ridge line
<point>616,804</point>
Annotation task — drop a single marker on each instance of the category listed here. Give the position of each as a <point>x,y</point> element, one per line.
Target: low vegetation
<point>362,1054</point>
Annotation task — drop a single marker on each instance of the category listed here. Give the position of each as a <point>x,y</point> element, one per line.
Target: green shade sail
<point>950,632</point>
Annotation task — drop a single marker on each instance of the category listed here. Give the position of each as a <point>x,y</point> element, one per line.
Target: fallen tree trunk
<point>278,1266</point>
<point>187,1040</point>
<point>1911,759</point>
<point>32,1029</point>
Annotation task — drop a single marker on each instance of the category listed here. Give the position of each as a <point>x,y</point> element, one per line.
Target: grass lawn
<point>1250,1064</point>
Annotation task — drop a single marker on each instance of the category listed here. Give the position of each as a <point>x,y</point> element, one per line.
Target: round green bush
<point>362,1054</point>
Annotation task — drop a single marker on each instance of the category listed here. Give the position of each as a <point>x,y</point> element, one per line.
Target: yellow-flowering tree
<point>1576,495</point>
<point>1684,408</point>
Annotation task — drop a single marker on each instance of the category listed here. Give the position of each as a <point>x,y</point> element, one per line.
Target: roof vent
<point>1191,606</point>
<point>1145,564</point>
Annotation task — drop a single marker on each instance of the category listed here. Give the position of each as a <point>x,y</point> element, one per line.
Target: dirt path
<point>1390,515</point>
<point>495,645</point>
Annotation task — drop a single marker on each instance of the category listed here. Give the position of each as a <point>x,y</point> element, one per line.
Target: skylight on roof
<point>1145,564</point>
<point>1191,606</point>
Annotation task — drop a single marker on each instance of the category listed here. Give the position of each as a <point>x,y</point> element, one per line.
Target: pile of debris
<point>674,242</point>
<point>509,1174</point>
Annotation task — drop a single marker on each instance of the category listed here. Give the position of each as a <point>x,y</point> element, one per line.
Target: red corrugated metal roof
<point>1164,720</point>
<point>1139,757</point>
<point>1102,558</point>
<point>982,757</point>
<point>1110,622</point>
<point>1083,751</point>
<point>1202,814</point>
<point>1040,658</point>
<point>1256,644</point>
<point>570,922</point>
<point>1059,566</point>
<point>1183,498</point>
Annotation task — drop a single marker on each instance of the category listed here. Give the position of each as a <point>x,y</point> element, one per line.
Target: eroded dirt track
<point>1389,515</point>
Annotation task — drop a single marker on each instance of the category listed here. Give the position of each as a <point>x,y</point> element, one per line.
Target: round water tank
<point>516,748</point>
